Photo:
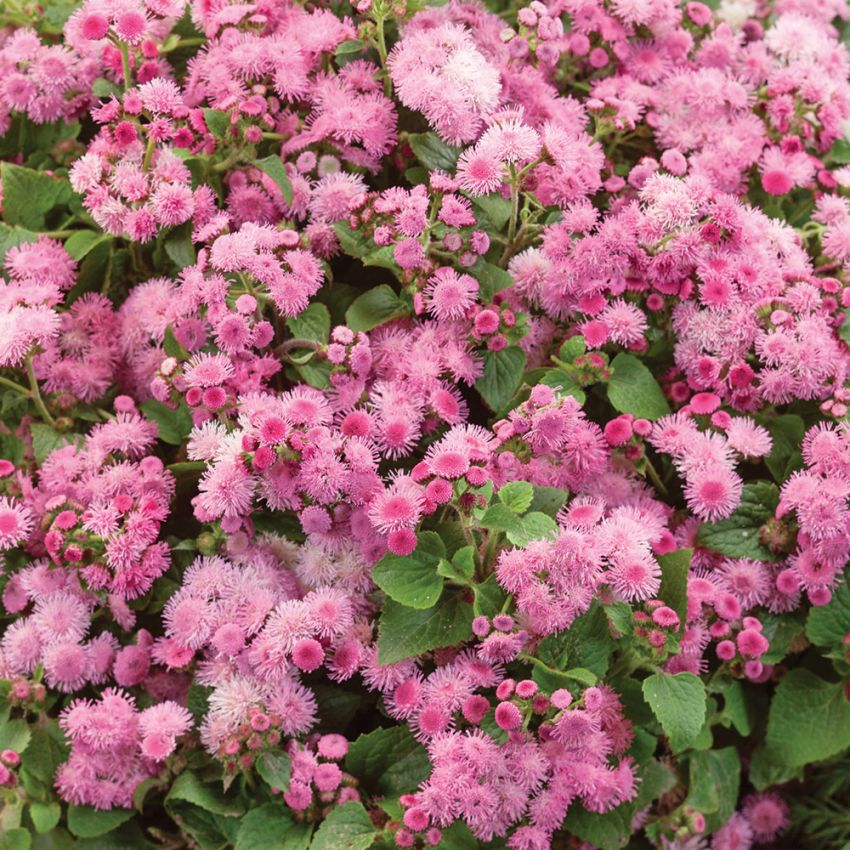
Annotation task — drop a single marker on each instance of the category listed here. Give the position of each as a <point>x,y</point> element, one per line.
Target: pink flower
<point>480,171</point>
<point>16,522</point>
<point>449,294</point>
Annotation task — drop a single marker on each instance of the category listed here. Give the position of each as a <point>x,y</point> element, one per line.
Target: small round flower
<point>474,708</point>
<point>66,666</point>
<point>402,542</point>
<point>130,26</point>
<point>94,26</point>
<point>416,818</point>
<point>308,655</point>
<point>479,171</point>
<point>16,522</point>
<point>508,716</point>
<point>618,431</point>
<point>767,814</point>
<point>665,617</point>
<point>448,294</point>
<point>398,507</point>
<point>327,777</point>
<point>776,182</point>
<point>752,644</point>
<point>714,492</point>
<point>333,746</point>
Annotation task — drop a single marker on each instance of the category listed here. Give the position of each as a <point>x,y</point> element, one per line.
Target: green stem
<point>490,551</point>
<point>187,467</point>
<point>125,65</point>
<point>146,162</point>
<point>291,344</point>
<point>512,222</point>
<point>381,46</point>
<point>533,164</point>
<point>6,382</point>
<point>655,477</point>
<point>107,278</point>
<point>38,401</point>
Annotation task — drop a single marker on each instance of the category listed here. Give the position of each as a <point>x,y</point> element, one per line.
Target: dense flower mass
<point>425,424</point>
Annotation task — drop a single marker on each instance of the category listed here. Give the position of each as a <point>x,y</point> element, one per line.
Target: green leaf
<point>574,347</point>
<point>491,278</point>
<point>675,567</point>
<point>533,526</point>
<point>412,579</point>
<point>548,500</point>
<point>715,778</point>
<point>44,816</point>
<point>187,788</point>
<point>563,384</point>
<point>656,778</point>
<point>828,624</point>
<point>516,496</point>
<point>11,237</point>
<point>839,153</point>
<point>496,208</point>
<point>174,425</point>
<point>765,770</point>
<point>45,751</point>
<point>809,719</point>
<point>87,822</point>
<point>389,761</point>
<point>272,166</point>
<point>172,347</point>
<point>198,701</point>
<point>433,152</point>
<point>275,768</point>
<point>679,704</point>
<point>786,432</point>
<point>502,376</point>
<point>461,568</point>
<point>586,643</point>
<point>353,242</point>
<point>28,196</point>
<point>380,304</point>
<point>347,827</point>
<point>608,831</point>
<point>218,122</point>
<point>458,837</point>
<point>14,735</point>
<point>181,250</point>
<point>104,88</point>
<point>46,440</point>
<point>619,615</point>
<point>314,323</point>
<point>738,535</point>
<point>347,48</point>
<point>844,327</point>
<point>780,630</point>
<point>15,838</point>
<point>268,827</point>
<point>633,389</point>
<point>408,632</point>
<point>80,242</point>
<point>500,518</point>
<point>736,710</point>
<point>489,597</point>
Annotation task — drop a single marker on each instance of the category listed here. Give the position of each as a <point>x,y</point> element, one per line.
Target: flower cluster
<point>114,747</point>
<point>425,423</point>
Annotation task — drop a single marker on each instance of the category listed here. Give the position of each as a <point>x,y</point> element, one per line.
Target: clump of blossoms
<point>425,425</point>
